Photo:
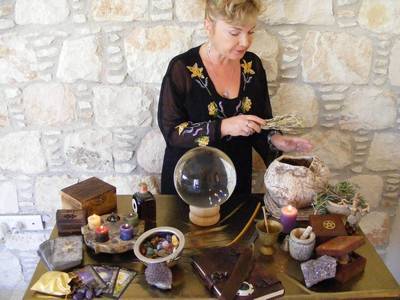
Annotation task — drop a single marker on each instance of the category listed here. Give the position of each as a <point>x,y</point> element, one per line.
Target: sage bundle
<point>286,123</point>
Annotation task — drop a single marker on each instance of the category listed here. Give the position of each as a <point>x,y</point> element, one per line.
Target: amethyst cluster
<point>316,270</point>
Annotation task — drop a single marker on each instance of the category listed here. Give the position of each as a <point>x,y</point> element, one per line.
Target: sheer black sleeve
<point>260,140</point>
<point>173,118</point>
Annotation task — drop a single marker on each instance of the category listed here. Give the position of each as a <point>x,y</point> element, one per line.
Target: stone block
<point>336,57</point>
<point>41,11</point>
<point>119,10</point>
<point>89,150</point>
<point>150,153</point>
<point>368,108</point>
<point>78,53</point>
<point>10,269</point>
<point>380,16</point>
<point>394,67</point>
<point>298,99</point>
<point>383,154</point>
<point>47,192</point>
<point>8,198</point>
<point>149,50</point>
<point>121,106</point>
<point>311,12</point>
<point>48,104</point>
<point>18,157</point>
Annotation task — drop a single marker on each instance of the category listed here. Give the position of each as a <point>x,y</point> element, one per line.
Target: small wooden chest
<point>328,226</point>
<point>70,221</point>
<point>93,195</point>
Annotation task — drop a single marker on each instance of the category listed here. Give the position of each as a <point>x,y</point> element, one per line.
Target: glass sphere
<point>205,177</point>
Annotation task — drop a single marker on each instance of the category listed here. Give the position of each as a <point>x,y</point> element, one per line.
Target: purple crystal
<point>316,270</point>
<point>159,275</point>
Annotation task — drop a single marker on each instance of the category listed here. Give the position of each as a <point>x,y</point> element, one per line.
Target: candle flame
<point>290,208</point>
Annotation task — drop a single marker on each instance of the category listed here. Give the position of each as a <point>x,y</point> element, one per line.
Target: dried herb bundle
<point>285,123</point>
<point>342,193</point>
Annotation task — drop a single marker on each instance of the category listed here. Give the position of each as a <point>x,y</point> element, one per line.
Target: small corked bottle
<point>144,204</point>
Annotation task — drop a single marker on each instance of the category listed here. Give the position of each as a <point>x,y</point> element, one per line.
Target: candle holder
<point>116,242</point>
<point>132,219</point>
<point>288,218</point>
<point>126,232</point>
<point>101,234</point>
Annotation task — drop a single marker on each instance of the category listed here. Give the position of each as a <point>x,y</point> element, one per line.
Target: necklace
<point>226,91</point>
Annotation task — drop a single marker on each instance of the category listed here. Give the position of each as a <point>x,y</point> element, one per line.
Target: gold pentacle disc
<point>329,224</point>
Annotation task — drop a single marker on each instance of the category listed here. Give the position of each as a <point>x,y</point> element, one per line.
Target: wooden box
<point>328,226</point>
<point>93,195</point>
<point>70,221</point>
<point>345,272</point>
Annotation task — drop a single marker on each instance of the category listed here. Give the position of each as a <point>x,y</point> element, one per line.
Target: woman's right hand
<point>241,125</point>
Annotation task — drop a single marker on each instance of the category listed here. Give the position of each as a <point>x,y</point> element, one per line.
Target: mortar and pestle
<point>268,231</point>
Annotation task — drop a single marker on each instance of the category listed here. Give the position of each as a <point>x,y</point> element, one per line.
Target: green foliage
<point>342,193</point>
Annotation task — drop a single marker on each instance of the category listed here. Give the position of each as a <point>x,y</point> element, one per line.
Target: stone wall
<point>79,84</point>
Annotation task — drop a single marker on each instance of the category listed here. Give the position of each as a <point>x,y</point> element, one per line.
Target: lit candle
<point>132,219</point>
<point>126,232</point>
<point>288,218</point>
<point>94,221</point>
<point>101,234</point>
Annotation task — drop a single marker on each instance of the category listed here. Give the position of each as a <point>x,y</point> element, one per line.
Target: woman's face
<point>229,40</point>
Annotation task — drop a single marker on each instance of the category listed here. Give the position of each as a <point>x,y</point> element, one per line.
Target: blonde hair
<point>238,12</point>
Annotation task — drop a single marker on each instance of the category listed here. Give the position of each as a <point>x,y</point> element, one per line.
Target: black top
<point>190,111</point>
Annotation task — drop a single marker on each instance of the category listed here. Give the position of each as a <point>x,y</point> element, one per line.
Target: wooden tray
<point>114,244</point>
<point>275,210</point>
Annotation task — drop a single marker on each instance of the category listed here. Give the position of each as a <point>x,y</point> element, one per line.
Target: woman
<point>216,94</point>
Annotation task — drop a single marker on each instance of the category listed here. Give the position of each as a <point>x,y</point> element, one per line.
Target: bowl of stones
<point>160,244</point>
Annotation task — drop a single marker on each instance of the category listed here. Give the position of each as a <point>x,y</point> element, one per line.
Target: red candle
<point>101,234</point>
<point>288,218</point>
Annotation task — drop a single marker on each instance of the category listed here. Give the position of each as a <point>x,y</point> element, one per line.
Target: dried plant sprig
<point>285,123</point>
<point>342,193</point>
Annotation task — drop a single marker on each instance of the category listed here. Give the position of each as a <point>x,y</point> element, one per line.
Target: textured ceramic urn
<point>295,180</point>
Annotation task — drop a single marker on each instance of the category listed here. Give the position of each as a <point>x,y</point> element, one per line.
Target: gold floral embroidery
<point>196,71</point>
<point>181,127</point>
<point>212,109</point>
<point>197,75</point>
<point>246,104</point>
<point>247,67</point>
<point>203,141</point>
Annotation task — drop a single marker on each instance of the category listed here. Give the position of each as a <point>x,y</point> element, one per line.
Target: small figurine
<point>144,204</point>
<point>356,213</point>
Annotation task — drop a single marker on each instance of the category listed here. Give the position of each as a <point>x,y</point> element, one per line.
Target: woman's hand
<point>241,125</point>
<point>291,144</point>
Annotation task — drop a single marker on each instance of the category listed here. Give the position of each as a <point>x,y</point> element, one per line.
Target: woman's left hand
<point>291,144</point>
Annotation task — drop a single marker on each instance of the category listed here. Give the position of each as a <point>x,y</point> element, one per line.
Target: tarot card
<point>87,276</point>
<point>109,275</point>
<point>124,278</point>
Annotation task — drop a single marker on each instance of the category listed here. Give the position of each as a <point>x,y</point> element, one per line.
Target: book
<point>214,266</point>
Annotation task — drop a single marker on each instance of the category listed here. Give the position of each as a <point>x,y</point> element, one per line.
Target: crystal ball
<point>205,177</point>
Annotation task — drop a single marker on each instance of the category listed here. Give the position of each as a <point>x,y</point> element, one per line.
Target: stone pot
<point>301,249</point>
<point>295,180</point>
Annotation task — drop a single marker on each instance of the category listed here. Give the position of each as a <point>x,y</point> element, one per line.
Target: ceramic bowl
<point>341,209</point>
<point>171,259</point>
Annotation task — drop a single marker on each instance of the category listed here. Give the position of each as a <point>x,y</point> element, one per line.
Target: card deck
<point>124,278</point>
<point>109,275</point>
<point>88,277</point>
